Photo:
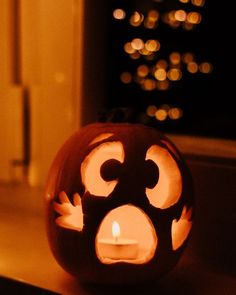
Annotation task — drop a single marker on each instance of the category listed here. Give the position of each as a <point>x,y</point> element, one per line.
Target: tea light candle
<point>118,248</point>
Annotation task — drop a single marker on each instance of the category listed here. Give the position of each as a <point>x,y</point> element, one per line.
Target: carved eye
<point>168,188</point>
<point>100,169</point>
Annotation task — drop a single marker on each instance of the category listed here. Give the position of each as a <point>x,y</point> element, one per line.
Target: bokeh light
<point>205,67</point>
<point>194,17</point>
<point>160,74</point>
<point>137,44</point>
<point>175,113</point>
<point>151,110</point>
<point>136,19</point>
<point>161,114</point>
<point>142,70</point>
<point>192,67</point>
<point>180,15</point>
<point>175,58</point>
<point>152,45</point>
<point>128,48</point>
<point>149,84</point>
<point>174,74</point>
<point>163,85</point>
<point>126,77</point>
<point>198,2</point>
<point>119,14</point>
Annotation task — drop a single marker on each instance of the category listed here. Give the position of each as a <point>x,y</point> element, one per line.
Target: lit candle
<point>118,248</point>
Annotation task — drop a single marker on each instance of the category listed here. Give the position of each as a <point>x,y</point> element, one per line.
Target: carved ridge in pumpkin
<point>101,137</point>
<point>181,228</point>
<point>71,214</point>
<point>168,189</point>
<point>91,167</point>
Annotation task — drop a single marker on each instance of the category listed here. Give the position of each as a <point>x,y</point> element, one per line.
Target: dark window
<point>172,62</point>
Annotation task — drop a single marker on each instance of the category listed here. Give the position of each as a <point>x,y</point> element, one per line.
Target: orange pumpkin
<point>119,204</point>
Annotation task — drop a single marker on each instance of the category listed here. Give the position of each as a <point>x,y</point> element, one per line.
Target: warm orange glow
<point>137,44</point>
<point>135,55</point>
<point>175,113</point>
<point>115,230</point>
<point>174,74</point>
<point>142,71</point>
<point>152,45</point>
<point>149,84</point>
<point>187,57</point>
<point>160,74</point>
<point>181,228</point>
<point>162,64</point>
<point>192,67</point>
<point>163,85</point>
<point>71,215</point>
<point>144,51</point>
<point>184,1</point>
<point>194,17</point>
<point>136,19</point>
<point>205,67</point>
<point>101,137</point>
<point>165,107</point>
<point>175,58</point>
<point>59,77</point>
<point>198,2</point>
<point>126,77</point>
<point>91,167</point>
<point>161,115</point>
<point>169,187</point>
<point>151,19</point>
<point>153,15</point>
<point>119,14</point>
<point>149,24</point>
<point>128,48</point>
<point>180,15</point>
<point>126,218</point>
<point>171,16</point>
<point>151,110</point>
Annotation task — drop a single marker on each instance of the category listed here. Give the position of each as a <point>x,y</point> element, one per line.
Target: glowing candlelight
<point>118,248</point>
<point>115,230</point>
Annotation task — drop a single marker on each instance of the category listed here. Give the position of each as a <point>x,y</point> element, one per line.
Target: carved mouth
<point>135,241</point>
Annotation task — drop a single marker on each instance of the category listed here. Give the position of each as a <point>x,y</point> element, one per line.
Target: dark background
<point>207,100</point>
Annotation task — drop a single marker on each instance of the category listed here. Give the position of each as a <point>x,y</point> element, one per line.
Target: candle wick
<point>116,239</point>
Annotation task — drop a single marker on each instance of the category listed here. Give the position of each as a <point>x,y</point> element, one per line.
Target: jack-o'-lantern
<point>120,203</point>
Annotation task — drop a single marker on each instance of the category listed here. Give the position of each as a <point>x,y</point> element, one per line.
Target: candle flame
<point>115,230</point>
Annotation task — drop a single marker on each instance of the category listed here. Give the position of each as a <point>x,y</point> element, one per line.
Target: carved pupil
<point>152,174</point>
<point>110,170</point>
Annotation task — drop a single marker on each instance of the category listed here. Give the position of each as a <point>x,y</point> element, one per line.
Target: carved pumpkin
<point>119,201</point>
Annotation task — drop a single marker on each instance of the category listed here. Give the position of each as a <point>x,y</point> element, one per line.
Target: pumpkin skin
<point>134,182</point>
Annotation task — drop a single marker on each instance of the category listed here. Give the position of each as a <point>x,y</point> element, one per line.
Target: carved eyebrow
<point>101,137</point>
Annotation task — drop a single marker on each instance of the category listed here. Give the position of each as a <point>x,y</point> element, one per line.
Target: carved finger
<point>76,199</point>
<point>63,209</point>
<point>63,197</point>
